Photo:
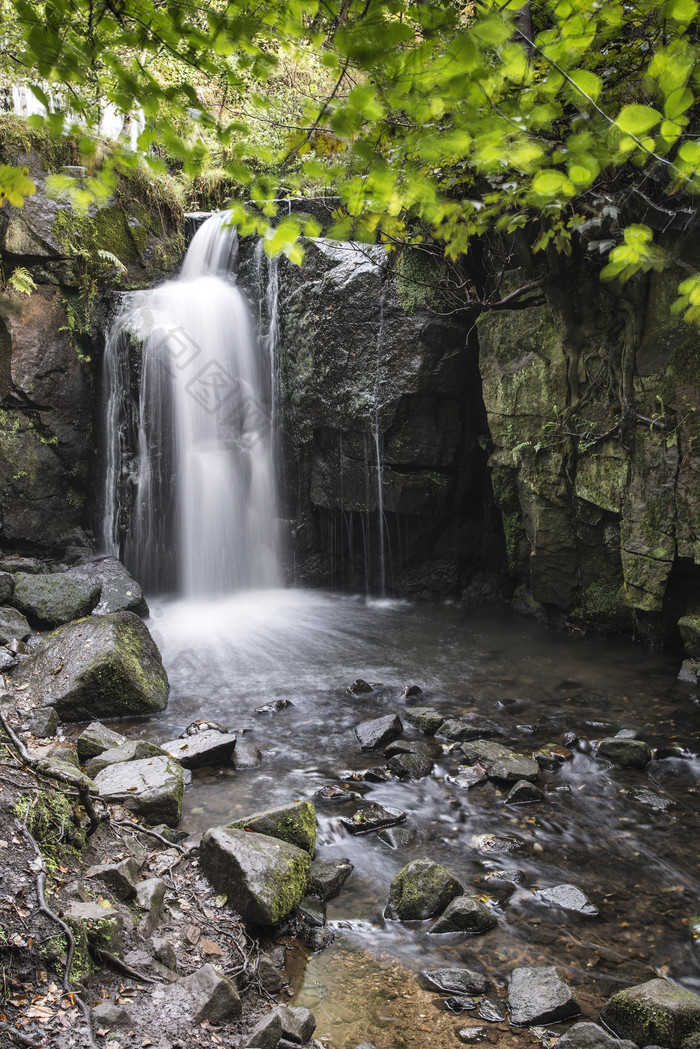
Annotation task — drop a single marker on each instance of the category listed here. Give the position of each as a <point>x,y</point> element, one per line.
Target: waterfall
<point>204,518</point>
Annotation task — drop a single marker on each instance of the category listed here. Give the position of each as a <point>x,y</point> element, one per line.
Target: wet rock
<point>119,592</point>
<point>467,778</point>
<point>488,1010</point>
<point>312,911</point>
<point>13,624</point>
<point>653,1013</point>
<point>298,1024</point>
<point>690,671</point>
<point>590,1036</point>
<point>500,883</point>
<point>569,898</point>
<point>101,926</point>
<point>457,981</point>
<point>7,586</point>
<point>150,895</point>
<point>426,719</point>
<point>406,746</point>
<point>266,1033</point>
<point>421,890</point>
<point>210,995</point>
<point>499,762</point>
<point>625,753</point>
<point>689,627</point>
<point>119,878</point>
<point>294,823</point>
<point>43,722</point>
<point>377,775</point>
<point>264,878</point>
<point>12,564</point>
<point>101,666</point>
<point>551,756</point>
<point>131,750</point>
<point>246,756</point>
<point>371,816</point>
<point>412,690</point>
<point>18,647</point>
<point>375,734</point>
<point>269,976</point>
<point>523,793</point>
<point>107,1014</point>
<point>329,876</point>
<point>397,837</point>
<point>202,725</point>
<point>470,1034</point>
<point>650,800</point>
<point>332,792</point>
<point>460,730</point>
<point>410,766</point>
<point>496,843</point>
<point>274,708</point>
<point>460,1003</point>
<point>210,747</point>
<point>95,739</point>
<point>152,788</point>
<point>539,996</point>
<point>359,687</point>
<point>464,914</point>
<point>317,939</point>
<point>51,600</point>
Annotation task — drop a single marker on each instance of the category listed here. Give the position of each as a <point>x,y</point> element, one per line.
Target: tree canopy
<point>437,121</point>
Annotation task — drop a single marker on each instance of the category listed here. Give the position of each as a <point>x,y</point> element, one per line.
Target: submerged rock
<point>101,666</point>
<point>626,753</point>
<point>274,707</point>
<point>457,981</point>
<point>464,914</point>
<point>246,756</point>
<point>209,747</point>
<point>523,793</point>
<point>539,996</point>
<point>359,687</point>
<point>375,734</point>
<point>294,823</point>
<point>653,1013</point>
<point>264,878</point>
<point>421,890</point>
<point>397,837</point>
<point>152,788</point>
<point>371,816</point>
<point>54,599</point>
<point>569,898</point>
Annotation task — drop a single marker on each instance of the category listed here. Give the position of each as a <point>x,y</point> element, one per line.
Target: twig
<point>117,963</point>
<point>23,1038</point>
<point>151,834</point>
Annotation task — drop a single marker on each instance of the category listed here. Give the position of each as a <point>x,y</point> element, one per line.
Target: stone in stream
<point>464,914</point>
<point>467,778</point>
<point>371,816</point>
<point>551,756</point>
<point>152,788</point>
<point>119,591</point>
<point>95,739</point>
<point>246,756</point>
<point>264,878</point>
<point>470,1034</point>
<point>359,687</point>
<point>375,734</point>
<point>397,837</point>
<point>650,800</point>
<point>422,889</point>
<point>101,666</point>
<point>590,1036</point>
<point>312,911</point>
<point>488,1010</point>
<point>626,753</point>
<point>410,766</point>
<point>569,898</point>
<point>377,774</point>
<point>406,746</point>
<point>460,1003</point>
<point>298,1024</point>
<point>13,624</point>
<point>56,598</point>
<point>460,730</point>
<point>294,823</point>
<point>539,996</point>
<point>523,793</point>
<point>499,762</point>
<point>457,981</point>
<point>689,627</point>
<point>412,690</point>
<point>653,1013</point>
<point>209,747</point>
<point>426,719</point>
<point>274,707</point>
<point>131,750</point>
<point>328,877</point>
<point>500,883</point>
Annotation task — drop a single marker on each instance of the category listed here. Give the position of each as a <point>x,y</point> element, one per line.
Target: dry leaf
<point>207,947</point>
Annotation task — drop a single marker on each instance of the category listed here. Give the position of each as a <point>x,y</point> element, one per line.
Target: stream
<point>627,838</point>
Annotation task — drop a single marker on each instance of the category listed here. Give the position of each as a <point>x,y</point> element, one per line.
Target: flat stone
<point>246,756</point>
<point>328,877</point>
<point>95,739</point>
<point>590,1036</point>
<point>274,707</point>
<point>489,1011</point>
<point>539,996</point>
<point>266,1033</point>
<point>371,816</point>
<point>150,895</point>
<point>410,766</point>
<point>626,753</point>
<point>131,750</point>
<point>653,1013</point>
<point>425,719</point>
<point>460,730</point>
<point>523,793</point>
<point>406,746</point>
<point>152,788</point>
<point>457,981</point>
<point>205,748</point>
<point>119,878</point>
<point>13,624</point>
<point>298,1024</point>
<point>211,996</point>
<point>460,1003</point>
<point>375,734</point>
<point>464,914</point>
<point>467,778</point>
<point>470,1034</point>
<point>56,598</point>
<point>569,898</point>
<point>377,774</point>
<point>551,756</point>
<point>294,823</point>
<point>264,878</point>
<point>499,762</point>
<point>397,837</point>
<point>421,890</point>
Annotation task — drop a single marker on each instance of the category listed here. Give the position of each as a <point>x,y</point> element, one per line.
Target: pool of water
<point>627,838</point>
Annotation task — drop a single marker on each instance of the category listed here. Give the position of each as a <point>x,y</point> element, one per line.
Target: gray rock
<point>626,753</point>
<point>13,624</point>
<point>328,877</point>
<point>101,926</point>
<point>397,837</point>
<point>163,952</point>
<point>523,793</point>
<point>375,734</point>
<point>551,756</point>
<point>468,778</point>
<point>312,911</point>
<point>107,1014</point>
<point>377,774</point>
<point>7,659</point>
<point>294,823</point>
<point>539,996</point>
<point>460,1003</point>
<point>371,816</point>
<point>569,898</point>
<point>298,1024</point>
<point>410,766</point>
<point>426,719</point>
<point>150,895</point>
<point>264,878</point>
<point>95,739</point>
<point>590,1036</point>
<point>210,995</point>
<point>488,1010</point>
<point>412,690</point>
<point>246,756</point>
<point>7,586</point>
<point>653,1013</point>
<point>204,748</point>
<point>101,666</point>
<point>500,883</point>
<point>266,1033</point>
<point>119,878</point>
<point>269,976</point>
<point>315,938</point>
<point>499,762</point>
<point>690,671</point>
<point>119,592</point>
<point>43,722</point>
<point>130,750</point>
<point>461,730</point>
<point>51,600</point>
<point>421,890</point>
<point>457,981</point>
<point>359,687</point>
<point>470,1034</point>
<point>152,788</point>
<point>464,914</point>
<point>406,746</point>
<point>274,707</point>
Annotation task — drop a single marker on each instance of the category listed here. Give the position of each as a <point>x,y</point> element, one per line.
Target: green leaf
<point>548,183</point>
<point>15,185</point>
<point>637,120</point>
<point>588,83</point>
<point>683,11</point>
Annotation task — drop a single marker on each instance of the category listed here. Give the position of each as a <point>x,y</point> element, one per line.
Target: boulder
<point>101,666</point>
<point>295,823</point>
<point>119,592</point>
<point>101,926</point>
<point>626,753</point>
<point>131,750</point>
<point>457,981</point>
<point>464,914</point>
<point>119,878</point>
<point>152,788</point>
<point>425,719</point>
<point>375,734</point>
<point>653,1013</point>
<point>264,878</point>
<point>149,896</point>
<point>460,730</point>
<point>95,739</point>
<point>410,766</point>
<point>421,890</point>
<point>204,748</point>
<point>590,1036</point>
<point>539,996</point>
<point>13,624</point>
<point>51,600</point>
<point>328,877</point>
<point>43,722</point>
<point>569,898</point>
<point>371,816</point>
<point>359,687</point>
<point>499,762</point>
<point>689,627</point>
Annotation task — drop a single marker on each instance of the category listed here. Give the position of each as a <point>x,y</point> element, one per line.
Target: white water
<point>204,519</point>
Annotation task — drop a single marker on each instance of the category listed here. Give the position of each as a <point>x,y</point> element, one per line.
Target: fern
<point>111,260</point>
<point>20,280</point>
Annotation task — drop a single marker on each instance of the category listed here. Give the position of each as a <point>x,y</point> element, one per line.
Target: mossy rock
<point>689,627</point>
<point>421,890</point>
<point>51,600</point>
<point>653,1013</point>
<point>295,823</point>
<point>626,753</point>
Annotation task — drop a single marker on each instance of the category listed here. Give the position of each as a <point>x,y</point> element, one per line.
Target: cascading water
<point>204,520</point>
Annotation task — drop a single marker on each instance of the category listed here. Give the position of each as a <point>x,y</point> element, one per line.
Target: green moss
<point>17,136</point>
<point>505,493</point>
<point>53,823</point>
<point>417,277</point>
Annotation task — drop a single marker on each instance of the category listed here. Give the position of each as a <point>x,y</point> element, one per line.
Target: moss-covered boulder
<point>653,1013</point>
<point>51,600</point>
<point>100,666</point>
<point>295,823</point>
<point>152,788</point>
<point>626,753</point>
<point>421,890</point>
<point>264,878</point>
